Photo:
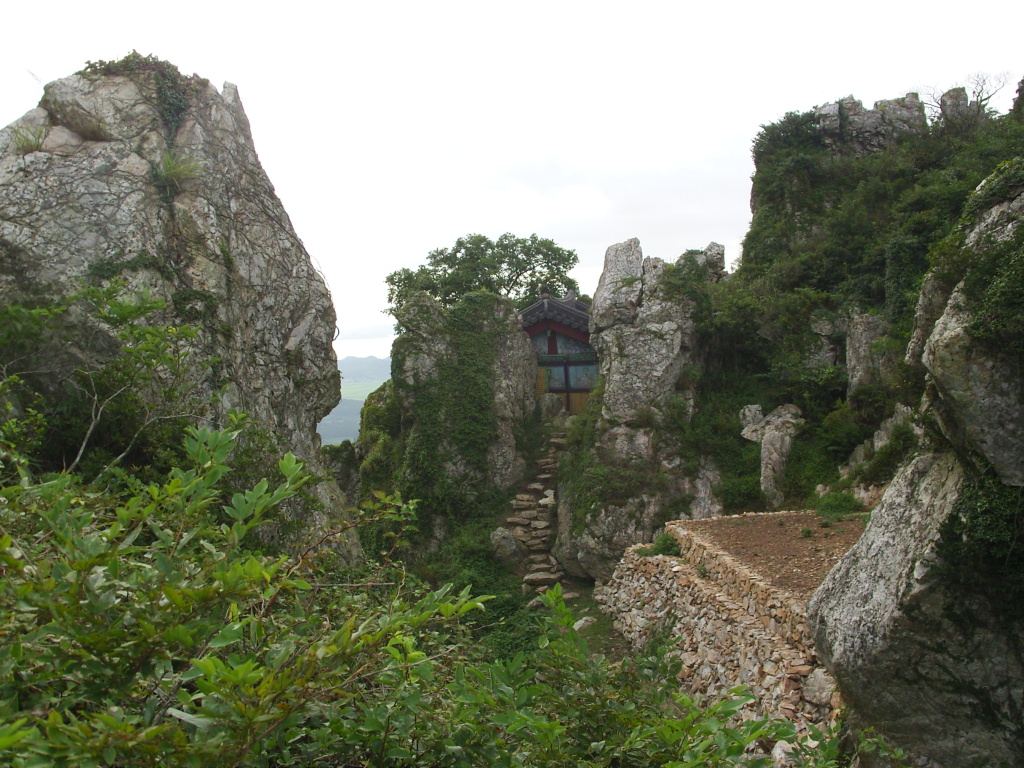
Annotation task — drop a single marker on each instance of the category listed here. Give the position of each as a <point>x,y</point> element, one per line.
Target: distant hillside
<point>359,377</point>
<point>364,369</point>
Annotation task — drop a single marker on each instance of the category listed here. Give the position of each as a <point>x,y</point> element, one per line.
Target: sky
<point>390,129</point>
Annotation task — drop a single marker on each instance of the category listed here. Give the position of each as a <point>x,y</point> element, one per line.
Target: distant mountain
<point>360,376</point>
<point>365,369</point>
<point>342,423</point>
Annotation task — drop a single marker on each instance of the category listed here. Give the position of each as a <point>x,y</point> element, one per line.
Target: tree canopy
<point>516,267</point>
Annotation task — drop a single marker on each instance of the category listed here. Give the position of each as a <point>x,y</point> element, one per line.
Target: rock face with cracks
<point>922,638</point>
<point>152,178</point>
<point>645,336</point>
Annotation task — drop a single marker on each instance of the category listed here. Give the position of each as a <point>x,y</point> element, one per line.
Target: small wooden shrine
<point>559,332</point>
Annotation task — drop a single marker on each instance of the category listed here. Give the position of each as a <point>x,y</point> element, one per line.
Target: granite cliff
<point>129,172</point>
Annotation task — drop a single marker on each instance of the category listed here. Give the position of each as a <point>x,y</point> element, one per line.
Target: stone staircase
<point>533,520</point>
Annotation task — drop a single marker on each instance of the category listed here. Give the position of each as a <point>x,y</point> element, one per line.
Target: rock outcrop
<point>977,394</point>
<point>644,331</point>
<point>932,667</point>
<point>866,362</point>
<point>464,379</point>
<point>134,172</point>
<point>643,338</point>
<point>847,126</point>
<point>775,433</point>
<point>920,623</point>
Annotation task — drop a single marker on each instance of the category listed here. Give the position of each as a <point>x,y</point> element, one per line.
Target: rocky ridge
<point>847,125</point>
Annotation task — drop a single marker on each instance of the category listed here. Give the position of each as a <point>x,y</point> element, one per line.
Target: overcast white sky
<point>392,128</point>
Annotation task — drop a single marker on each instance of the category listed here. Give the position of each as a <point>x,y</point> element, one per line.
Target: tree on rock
<point>517,267</point>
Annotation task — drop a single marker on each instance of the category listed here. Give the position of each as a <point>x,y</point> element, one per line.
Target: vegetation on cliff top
<point>834,235</point>
<point>516,267</point>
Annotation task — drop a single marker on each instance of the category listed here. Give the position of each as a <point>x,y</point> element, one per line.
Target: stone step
<point>546,566</point>
<point>541,578</point>
<point>542,559</point>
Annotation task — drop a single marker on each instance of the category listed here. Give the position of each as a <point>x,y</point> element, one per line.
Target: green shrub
<point>981,543</point>
<point>881,468</point>
<point>740,494</point>
<point>27,140</point>
<point>664,544</point>
<point>173,172</point>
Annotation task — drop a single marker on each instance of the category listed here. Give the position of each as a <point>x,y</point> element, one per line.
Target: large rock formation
<point>643,337</point>
<point>847,126</point>
<point>464,380</point>
<point>775,433</point>
<point>643,328</point>
<point>921,621</point>
<point>868,360</point>
<point>133,172</point>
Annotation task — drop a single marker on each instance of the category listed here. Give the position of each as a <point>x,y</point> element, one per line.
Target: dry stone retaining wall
<point>727,624</point>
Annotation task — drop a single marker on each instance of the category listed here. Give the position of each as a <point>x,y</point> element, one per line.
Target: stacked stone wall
<point>727,624</point>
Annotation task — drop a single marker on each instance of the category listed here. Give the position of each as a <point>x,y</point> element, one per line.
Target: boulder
<point>931,303</point>
<point>920,622</point>
<point>866,364</point>
<point>932,667</point>
<point>976,393</point>
<point>620,287</point>
<point>506,547</point>
<point>645,336</point>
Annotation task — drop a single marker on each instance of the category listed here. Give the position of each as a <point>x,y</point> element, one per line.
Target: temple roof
<point>568,311</point>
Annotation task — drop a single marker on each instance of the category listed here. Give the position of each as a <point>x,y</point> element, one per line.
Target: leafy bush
<point>664,544</point>
<point>126,409</point>
<point>881,468</point>
<point>981,543</point>
<point>740,494</point>
<point>140,631</point>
